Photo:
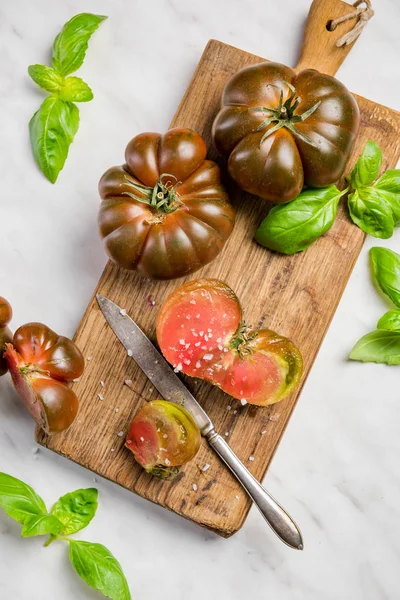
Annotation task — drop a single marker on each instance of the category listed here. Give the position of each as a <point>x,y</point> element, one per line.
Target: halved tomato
<point>41,364</point>
<point>201,332</point>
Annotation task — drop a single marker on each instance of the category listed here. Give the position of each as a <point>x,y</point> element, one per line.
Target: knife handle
<point>280,522</point>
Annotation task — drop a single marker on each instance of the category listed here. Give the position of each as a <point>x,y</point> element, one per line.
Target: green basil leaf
<point>99,569</point>
<point>69,48</point>
<point>389,186</point>
<point>290,228</point>
<point>52,129</point>
<point>74,89</point>
<point>46,78</point>
<point>390,320</point>
<point>386,268</point>
<point>367,167</point>
<point>371,212</point>
<point>76,510</point>
<point>22,503</point>
<point>41,525</point>
<point>379,346</point>
<point>19,500</point>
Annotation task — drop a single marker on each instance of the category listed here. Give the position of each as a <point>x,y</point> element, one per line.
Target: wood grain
<point>296,296</point>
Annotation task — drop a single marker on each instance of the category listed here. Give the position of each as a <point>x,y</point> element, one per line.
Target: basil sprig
<point>71,513</point>
<point>53,127</point>
<point>374,207</point>
<point>383,344</point>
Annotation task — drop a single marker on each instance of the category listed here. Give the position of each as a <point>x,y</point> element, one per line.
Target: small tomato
<point>163,436</point>
<point>201,332</point>
<point>41,364</point>
<point>5,333</point>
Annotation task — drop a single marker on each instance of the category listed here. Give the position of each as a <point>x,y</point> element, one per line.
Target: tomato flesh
<point>200,332</point>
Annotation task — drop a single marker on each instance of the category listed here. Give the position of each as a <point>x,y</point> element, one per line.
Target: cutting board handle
<point>319,50</point>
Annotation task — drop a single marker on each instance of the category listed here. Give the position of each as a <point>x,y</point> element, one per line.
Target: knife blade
<point>162,376</point>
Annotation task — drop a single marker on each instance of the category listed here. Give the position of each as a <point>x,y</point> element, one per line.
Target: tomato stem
<point>241,339</point>
<point>163,196</point>
<point>284,115</point>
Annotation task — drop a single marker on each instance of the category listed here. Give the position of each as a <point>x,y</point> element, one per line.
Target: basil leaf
<point>367,167</point>
<point>71,44</point>
<point>41,525</point>
<point>46,77</point>
<point>390,320</point>
<point>386,268</point>
<point>74,89</point>
<point>99,569</point>
<point>52,129</point>
<point>389,186</point>
<point>293,227</point>
<point>76,510</point>
<point>371,212</point>
<point>379,346</point>
<point>21,503</point>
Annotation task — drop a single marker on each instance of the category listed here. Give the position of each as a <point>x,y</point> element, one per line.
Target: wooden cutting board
<point>296,296</point>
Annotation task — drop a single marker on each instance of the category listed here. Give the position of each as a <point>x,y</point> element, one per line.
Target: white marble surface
<point>337,468</point>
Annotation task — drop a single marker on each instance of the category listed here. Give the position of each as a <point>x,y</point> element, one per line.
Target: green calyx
<point>163,472</point>
<point>241,339</point>
<point>284,115</point>
<point>162,197</point>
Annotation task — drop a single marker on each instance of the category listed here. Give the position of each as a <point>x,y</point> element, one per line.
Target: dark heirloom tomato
<point>165,212</point>
<point>201,332</point>
<point>41,364</point>
<point>5,333</point>
<point>283,130</point>
<point>163,436</point>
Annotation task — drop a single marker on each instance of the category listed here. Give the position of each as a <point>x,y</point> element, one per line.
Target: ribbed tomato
<point>282,130</point>
<point>201,332</point>
<point>165,213</point>
<point>163,436</point>
<point>5,333</point>
<point>41,364</point>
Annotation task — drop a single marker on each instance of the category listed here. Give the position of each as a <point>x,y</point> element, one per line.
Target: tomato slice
<point>201,332</point>
<point>163,436</point>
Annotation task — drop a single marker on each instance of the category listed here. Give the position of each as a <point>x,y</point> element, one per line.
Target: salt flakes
<point>101,383</point>
<point>251,458</point>
<point>89,358</point>
<point>193,302</point>
<point>165,435</point>
<point>263,432</point>
<point>122,312</point>
<point>198,364</point>
<point>100,396</point>
<point>186,361</point>
<point>208,356</point>
<point>142,439</point>
<point>128,382</point>
<point>226,433</point>
<point>201,333</point>
<point>243,402</point>
<point>197,316</point>
<point>237,497</point>
<point>117,410</point>
<point>194,486</point>
<point>182,342</point>
<point>197,344</point>
<point>206,467</point>
<point>129,352</point>
<point>228,407</point>
<point>178,368</point>
<point>120,433</point>
<point>167,462</point>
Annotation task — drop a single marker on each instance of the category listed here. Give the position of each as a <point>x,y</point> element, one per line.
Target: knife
<point>162,376</point>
